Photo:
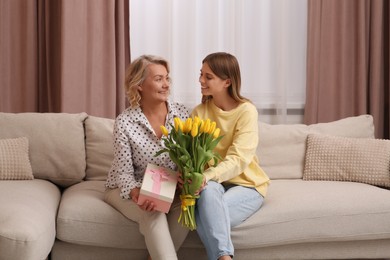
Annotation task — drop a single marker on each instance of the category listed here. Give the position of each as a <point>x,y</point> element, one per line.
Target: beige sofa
<point>60,214</point>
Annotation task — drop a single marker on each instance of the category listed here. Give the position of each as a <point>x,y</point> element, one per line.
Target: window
<point>268,38</point>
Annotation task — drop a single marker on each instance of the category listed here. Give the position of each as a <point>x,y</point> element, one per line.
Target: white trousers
<point>163,234</point>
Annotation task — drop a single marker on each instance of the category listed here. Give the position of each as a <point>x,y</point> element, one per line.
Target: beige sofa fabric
<point>14,159</point>
<point>99,147</point>
<point>334,158</point>
<point>82,208</point>
<point>297,211</point>
<point>56,142</point>
<point>282,148</point>
<point>28,218</point>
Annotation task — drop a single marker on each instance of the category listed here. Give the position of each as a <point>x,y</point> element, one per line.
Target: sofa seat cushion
<point>85,219</point>
<point>294,212</point>
<point>300,212</point>
<point>297,211</point>
<point>28,211</point>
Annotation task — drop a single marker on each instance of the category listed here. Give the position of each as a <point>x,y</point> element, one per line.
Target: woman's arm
<point>241,151</point>
<point>122,166</point>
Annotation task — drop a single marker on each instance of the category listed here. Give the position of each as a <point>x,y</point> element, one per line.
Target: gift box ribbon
<point>158,176</point>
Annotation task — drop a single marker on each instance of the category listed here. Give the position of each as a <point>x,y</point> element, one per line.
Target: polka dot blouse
<point>135,145</point>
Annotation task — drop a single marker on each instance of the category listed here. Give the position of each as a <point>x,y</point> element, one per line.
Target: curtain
<point>63,56</point>
<point>348,61</point>
<point>267,37</point>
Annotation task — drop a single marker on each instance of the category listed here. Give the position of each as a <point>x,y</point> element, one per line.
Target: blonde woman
<point>137,138</point>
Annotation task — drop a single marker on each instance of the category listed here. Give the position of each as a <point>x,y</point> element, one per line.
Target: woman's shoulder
<point>199,109</point>
<point>179,109</point>
<point>247,109</point>
<point>129,115</point>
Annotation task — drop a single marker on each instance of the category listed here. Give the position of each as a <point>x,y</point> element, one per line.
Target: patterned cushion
<point>14,160</point>
<point>282,147</point>
<point>333,158</point>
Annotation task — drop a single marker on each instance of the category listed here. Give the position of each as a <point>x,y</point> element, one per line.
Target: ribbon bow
<point>158,176</point>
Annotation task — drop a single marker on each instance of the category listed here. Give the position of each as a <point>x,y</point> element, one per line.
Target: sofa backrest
<point>282,148</point>
<point>99,147</point>
<point>56,143</point>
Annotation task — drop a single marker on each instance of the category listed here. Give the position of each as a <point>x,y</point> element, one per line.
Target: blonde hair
<point>135,75</point>
<point>225,66</point>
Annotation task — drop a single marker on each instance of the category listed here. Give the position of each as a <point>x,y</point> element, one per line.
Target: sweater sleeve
<point>241,151</point>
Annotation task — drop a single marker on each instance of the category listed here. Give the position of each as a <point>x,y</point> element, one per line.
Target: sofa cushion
<point>85,219</point>
<point>334,158</point>
<point>14,159</point>
<point>28,211</point>
<point>99,147</point>
<point>56,142</point>
<point>282,148</point>
<point>298,211</point>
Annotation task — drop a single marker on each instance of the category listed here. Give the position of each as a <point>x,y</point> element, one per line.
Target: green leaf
<point>214,143</point>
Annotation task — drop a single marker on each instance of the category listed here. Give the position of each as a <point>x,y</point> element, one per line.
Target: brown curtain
<point>348,61</point>
<point>63,56</point>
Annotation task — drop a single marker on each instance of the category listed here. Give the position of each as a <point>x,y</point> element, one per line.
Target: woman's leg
<point>153,225</point>
<point>213,222</point>
<point>218,209</point>
<point>178,232</point>
<point>242,203</point>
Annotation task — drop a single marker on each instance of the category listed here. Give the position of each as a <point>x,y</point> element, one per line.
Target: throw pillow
<point>335,158</point>
<point>14,159</point>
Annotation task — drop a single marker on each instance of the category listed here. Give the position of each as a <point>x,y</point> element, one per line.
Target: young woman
<point>234,189</point>
<point>137,138</point>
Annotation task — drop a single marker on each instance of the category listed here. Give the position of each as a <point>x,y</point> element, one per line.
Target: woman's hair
<point>226,66</point>
<point>136,73</point>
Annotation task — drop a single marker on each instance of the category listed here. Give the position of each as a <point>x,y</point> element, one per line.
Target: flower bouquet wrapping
<point>190,146</point>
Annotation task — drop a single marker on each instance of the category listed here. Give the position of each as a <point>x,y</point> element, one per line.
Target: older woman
<point>137,138</point>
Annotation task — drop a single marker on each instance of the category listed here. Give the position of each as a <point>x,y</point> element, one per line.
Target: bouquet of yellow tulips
<point>190,145</point>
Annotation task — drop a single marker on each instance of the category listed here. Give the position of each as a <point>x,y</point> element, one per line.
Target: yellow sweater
<point>238,146</point>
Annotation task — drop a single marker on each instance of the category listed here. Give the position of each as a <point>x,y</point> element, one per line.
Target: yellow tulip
<point>164,130</point>
<point>212,127</point>
<point>216,133</point>
<point>177,122</point>
<point>196,120</point>
<point>187,125</point>
<point>207,125</point>
<point>201,129</point>
<point>181,125</point>
<point>194,130</point>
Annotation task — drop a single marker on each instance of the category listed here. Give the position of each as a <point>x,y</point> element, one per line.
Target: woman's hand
<point>180,180</point>
<point>180,183</point>
<point>202,187</point>
<point>147,205</point>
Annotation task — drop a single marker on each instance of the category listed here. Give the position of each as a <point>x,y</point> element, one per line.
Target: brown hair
<point>225,66</point>
<point>136,73</point>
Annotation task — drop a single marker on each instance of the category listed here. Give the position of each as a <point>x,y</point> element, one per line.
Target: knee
<point>213,190</point>
<point>151,220</point>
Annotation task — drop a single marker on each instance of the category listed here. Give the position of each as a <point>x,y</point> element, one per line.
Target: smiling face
<point>155,87</point>
<point>211,84</point>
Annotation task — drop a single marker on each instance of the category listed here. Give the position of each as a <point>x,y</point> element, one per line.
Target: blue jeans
<point>220,208</point>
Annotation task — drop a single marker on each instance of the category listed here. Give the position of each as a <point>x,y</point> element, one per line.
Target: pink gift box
<point>159,186</point>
